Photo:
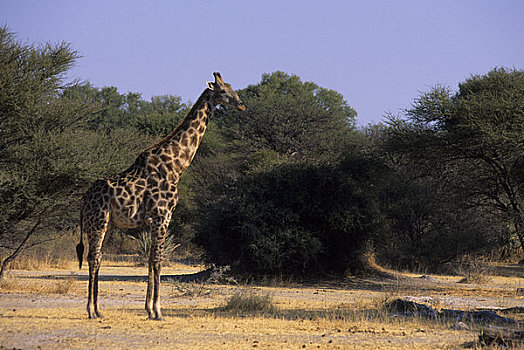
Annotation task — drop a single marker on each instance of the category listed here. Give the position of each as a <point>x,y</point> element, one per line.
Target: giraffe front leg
<point>153,292</point>
<point>156,292</point>
<point>158,236</point>
<point>95,296</point>
<point>149,292</point>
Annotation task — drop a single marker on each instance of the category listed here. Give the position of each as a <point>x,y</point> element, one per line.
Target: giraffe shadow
<point>194,277</point>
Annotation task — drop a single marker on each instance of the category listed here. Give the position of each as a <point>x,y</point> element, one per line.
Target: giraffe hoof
<point>157,318</point>
<point>99,315</point>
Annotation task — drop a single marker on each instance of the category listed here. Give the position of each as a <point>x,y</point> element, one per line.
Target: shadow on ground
<point>194,277</point>
<point>514,270</point>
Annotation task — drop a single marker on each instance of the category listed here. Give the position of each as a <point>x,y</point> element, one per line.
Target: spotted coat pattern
<point>146,194</point>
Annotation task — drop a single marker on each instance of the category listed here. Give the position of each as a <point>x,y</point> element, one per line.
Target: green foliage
<point>291,118</point>
<point>144,246</point>
<point>33,123</point>
<point>287,122</point>
<point>295,219</point>
<point>472,143</point>
<point>429,226</point>
<point>48,154</point>
<point>161,115</point>
<point>129,111</point>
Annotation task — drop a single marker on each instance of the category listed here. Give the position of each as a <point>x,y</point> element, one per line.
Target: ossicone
<point>218,77</point>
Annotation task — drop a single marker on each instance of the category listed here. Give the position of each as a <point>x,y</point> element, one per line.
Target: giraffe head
<point>224,94</point>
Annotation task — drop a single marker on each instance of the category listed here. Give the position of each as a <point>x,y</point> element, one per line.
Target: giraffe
<point>146,194</point>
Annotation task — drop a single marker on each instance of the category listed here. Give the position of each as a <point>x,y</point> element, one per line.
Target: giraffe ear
<point>210,85</point>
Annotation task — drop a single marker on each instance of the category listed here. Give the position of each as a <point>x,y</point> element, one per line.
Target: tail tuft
<point>80,254</point>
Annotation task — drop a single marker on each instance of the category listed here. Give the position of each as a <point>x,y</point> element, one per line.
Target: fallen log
<point>475,316</point>
<point>411,308</point>
<point>501,335</point>
<point>509,310</point>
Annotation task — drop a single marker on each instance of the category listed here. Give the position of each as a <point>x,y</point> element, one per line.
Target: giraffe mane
<point>172,133</point>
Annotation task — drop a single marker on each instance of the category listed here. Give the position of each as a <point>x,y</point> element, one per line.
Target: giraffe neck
<point>178,149</point>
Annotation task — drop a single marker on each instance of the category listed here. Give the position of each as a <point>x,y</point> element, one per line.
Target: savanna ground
<point>45,309</point>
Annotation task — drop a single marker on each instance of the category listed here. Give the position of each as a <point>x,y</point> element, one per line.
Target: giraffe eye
<point>223,92</point>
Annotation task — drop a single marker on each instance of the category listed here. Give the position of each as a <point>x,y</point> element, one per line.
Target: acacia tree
<point>290,117</point>
<point>287,120</point>
<point>288,196</point>
<point>129,111</point>
<point>38,133</point>
<point>475,140</point>
<point>295,219</point>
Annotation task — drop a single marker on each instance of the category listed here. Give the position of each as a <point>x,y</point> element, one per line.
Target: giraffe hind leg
<point>91,291</point>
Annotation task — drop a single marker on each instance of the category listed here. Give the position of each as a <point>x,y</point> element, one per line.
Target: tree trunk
<point>10,258</point>
<point>519,231</point>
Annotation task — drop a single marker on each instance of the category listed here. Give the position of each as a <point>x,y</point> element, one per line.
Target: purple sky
<point>378,54</point>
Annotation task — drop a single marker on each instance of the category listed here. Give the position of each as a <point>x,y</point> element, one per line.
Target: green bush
<point>429,226</point>
<point>294,219</point>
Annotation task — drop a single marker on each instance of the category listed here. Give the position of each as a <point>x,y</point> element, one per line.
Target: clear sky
<point>379,54</point>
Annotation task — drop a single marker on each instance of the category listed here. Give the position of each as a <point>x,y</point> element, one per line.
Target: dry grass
<point>60,286</point>
<point>474,271</point>
<point>188,289</point>
<point>36,263</point>
<point>64,286</point>
<point>475,278</point>
<point>250,302</point>
<point>57,253</point>
<point>342,315</point>
<point>195,329</point>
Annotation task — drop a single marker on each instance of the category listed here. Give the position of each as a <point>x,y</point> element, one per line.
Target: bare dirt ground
<point>46,310</point>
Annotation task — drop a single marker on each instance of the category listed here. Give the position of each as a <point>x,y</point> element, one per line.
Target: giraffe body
<point>146,194</point>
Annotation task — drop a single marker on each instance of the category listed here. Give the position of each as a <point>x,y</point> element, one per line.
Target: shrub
<point>474,270</point>
<point>430,226</point>
<point>250,302</point>
<point>144,246</point>
<point>294,219</point>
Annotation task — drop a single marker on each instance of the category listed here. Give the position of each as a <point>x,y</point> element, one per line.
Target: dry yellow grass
<point>60,286</point>
<point>343,315</point>
<point>250,302</point>
<point>200,329</point>
<point>34,263</point>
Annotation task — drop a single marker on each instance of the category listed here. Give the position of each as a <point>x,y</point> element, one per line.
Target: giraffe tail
<point>80,246</point>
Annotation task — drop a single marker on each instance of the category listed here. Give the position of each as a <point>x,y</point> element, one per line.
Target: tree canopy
<point>47,152</point>
<point>290,117</point>
<point>474,139</point>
